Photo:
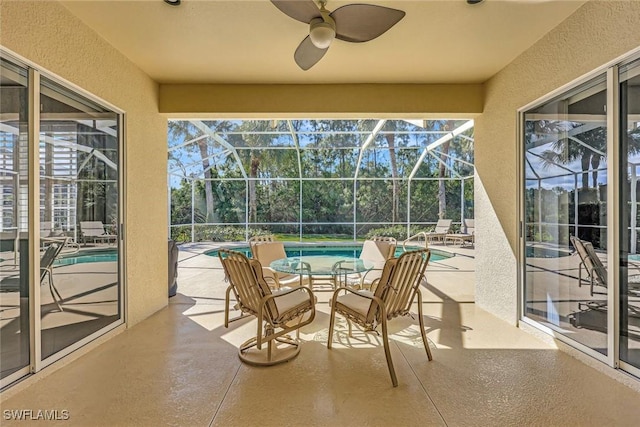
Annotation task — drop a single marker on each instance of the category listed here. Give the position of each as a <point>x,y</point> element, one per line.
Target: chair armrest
<point>268,271</point>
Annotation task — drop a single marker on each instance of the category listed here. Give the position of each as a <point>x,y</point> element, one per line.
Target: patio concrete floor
<point>180,367</point>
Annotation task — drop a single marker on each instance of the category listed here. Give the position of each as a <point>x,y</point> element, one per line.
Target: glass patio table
<point>327,266</point>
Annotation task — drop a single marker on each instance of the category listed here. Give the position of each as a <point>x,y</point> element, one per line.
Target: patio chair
<point>46,268</point>
<point>94,230</point>
<point>467,234</point>
<point>259,239</point>
<point>443,226</point>
<point>393,297</point>
<point>282,311</point>
<point>596,270</point>
<point>589,261</point>
<point>10,242</point>
<point>268,251</point>
<point>46,229</point>
<point>378,249</point>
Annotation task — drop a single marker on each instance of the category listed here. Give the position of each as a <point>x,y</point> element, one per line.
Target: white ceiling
<point>250,41</point>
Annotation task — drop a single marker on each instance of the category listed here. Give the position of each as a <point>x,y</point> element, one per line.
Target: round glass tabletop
<point>321,265</point>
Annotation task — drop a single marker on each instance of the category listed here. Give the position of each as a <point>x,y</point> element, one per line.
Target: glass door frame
<point>613,205</point>
<point>36,363</point>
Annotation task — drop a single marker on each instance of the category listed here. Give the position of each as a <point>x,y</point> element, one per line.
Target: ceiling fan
<point>354,23</point>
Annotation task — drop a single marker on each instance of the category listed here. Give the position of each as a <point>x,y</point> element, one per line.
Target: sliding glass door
<point>60,219</point>
<point>79,158</point>
<point>629,214</point>
<point>565,199</point>
<point>581,216</point>
<point>14,210</point>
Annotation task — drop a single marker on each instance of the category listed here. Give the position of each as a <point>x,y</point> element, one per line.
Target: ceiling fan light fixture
<point>322,32</point>
<point>173,2</point>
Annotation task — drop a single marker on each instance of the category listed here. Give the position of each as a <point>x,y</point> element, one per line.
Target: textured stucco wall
<point>47,34</point>
<point>596,34</point>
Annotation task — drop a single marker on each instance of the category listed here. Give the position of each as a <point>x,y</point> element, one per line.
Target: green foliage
<point>399,232</point>
<point>260,182</point>
<point>213,233</point>
<point>181,205</point>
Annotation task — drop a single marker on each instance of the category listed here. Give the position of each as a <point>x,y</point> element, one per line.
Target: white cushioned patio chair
<point>394,295</point>
<point>268,251</point>
<point>378,250</point>
<point>260,239</point>
<point>279,313</point>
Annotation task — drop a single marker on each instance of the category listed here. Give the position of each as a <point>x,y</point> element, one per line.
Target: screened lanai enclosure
<point>336,179</point>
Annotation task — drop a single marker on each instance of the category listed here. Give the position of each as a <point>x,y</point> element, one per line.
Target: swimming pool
<point>337,250</point>
<point>83,257</point>
<point>541,252</point>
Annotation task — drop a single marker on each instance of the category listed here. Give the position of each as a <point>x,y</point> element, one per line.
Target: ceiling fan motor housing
<point>322,31</point>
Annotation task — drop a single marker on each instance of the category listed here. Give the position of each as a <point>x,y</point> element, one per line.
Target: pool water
<point>88,256</point>
<point>539,252</point>
<point>345,251</point>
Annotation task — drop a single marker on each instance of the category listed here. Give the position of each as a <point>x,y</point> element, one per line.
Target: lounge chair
<point>46,268</point>
<point>378,249</point>
<point>443,226</point>
<point>46,229</point>
<point>95,231</point>
<point>282,311</point>
<point>268,251</point>
<point>596,271</point>
<point>466,236</point>
<point>10,242</point>
<point>393,297</point>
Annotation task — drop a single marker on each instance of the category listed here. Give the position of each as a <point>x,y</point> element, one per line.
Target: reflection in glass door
<point>79,157</point>
<point>14,210</point>
<point>565,209</point>
<point>60,160</point>
<point>629,214</point>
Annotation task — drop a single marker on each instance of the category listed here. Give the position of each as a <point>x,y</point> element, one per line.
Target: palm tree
<point>590,150</point>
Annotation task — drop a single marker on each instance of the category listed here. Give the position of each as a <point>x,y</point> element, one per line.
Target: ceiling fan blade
<point>307,54</point>
<point>363,22</point>
<point>301,10</point>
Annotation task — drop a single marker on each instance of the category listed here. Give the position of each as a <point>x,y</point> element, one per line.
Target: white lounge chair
<point>466,236</point>
<point>95,231</point>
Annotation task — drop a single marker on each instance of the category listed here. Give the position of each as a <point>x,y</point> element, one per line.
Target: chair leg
<point>52,289</point>
<point>580,275</point>
<point>272,355</point>
<point>387,352</point>
<point>422,332</point>
<point>332,320</point>
<point>269,348</point>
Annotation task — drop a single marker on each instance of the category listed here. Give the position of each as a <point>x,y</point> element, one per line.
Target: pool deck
<point>201,276</point>
<point>180,367</point>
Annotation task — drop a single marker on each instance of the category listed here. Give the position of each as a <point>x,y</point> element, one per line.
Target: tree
<point>395,204</point>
